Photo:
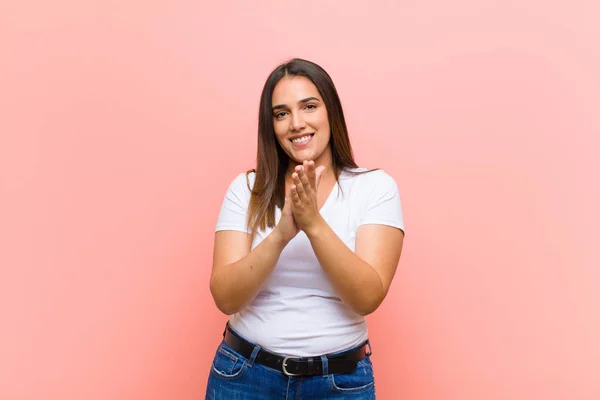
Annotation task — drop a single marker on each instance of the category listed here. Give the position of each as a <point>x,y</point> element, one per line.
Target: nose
<point>297,122</point>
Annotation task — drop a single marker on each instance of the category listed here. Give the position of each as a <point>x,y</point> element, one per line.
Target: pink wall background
<point>122,124</point>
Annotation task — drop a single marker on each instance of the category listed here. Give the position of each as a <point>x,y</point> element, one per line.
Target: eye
<point>311,106</point>
<point>280,114</point>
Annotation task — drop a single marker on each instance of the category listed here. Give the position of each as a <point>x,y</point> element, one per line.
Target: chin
<point>301,159</point>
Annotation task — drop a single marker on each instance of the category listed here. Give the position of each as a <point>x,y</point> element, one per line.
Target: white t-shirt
<point>297,312</point>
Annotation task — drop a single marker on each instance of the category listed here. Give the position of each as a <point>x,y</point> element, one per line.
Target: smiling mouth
<point>302,140</point>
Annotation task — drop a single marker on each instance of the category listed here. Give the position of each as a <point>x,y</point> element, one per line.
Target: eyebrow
<point>278,106</point>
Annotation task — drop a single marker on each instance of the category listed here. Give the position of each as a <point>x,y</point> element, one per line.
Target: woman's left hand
<point>305,181</point>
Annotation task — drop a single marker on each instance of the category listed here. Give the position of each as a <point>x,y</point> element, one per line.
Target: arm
<point>238,273</point>
<point>362,279</point>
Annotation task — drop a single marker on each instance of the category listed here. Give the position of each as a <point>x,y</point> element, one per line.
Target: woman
<point>306,246</point>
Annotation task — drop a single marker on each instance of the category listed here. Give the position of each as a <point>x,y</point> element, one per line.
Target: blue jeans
<point>234,377</point>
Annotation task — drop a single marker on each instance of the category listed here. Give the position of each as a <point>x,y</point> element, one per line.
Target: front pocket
<point>227,365</point>
<point>360,380</point>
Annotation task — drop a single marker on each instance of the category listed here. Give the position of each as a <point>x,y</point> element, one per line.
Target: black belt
<point>297,366</point>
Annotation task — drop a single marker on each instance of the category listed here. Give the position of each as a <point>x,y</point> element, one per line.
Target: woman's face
<point>300,121</point>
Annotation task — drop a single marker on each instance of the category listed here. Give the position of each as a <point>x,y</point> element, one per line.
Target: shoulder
<point>370,179</point>
<point>379,194</point>
<point>243,182</point>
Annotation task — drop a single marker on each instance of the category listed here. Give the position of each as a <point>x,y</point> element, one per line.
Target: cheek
<point>279,131</point>
<point>324,126</point>
<point>280,127</point>
<point>322,121</point>
<point>281,140</point>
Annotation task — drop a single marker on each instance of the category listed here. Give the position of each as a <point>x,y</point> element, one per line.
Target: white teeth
<point>302,139</point>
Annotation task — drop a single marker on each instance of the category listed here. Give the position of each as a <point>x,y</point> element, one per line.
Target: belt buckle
<point>284,365</point>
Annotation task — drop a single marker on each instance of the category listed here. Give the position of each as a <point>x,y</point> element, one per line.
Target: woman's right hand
<point>286,228</point>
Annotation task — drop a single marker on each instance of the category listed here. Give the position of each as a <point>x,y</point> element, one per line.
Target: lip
<point>300,136</point>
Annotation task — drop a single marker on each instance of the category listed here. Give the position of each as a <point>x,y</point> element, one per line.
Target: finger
<point>306,184</point>
<point>310,172</point>
<point>299,187</point>
<point>296,202</point>
<point>298,169</point>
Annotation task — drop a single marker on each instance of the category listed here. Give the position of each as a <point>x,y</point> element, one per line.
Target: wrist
<point>276,238</point>
<point>316,228</point>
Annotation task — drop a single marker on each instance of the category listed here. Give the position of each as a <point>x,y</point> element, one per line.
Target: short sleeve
<point>234,209</point>
<point>383,205</point>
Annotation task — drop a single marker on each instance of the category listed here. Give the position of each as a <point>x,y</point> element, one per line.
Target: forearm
<point>235,285</point>
<point>357,283</point>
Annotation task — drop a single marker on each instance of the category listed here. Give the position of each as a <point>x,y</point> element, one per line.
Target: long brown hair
<point>272,162</point>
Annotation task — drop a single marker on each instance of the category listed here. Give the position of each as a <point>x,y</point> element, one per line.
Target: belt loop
<point>325,363</point>
<point>253,356</point>
<point>226,327</point>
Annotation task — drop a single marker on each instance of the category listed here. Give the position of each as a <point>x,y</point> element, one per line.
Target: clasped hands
<point>300,210</point>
